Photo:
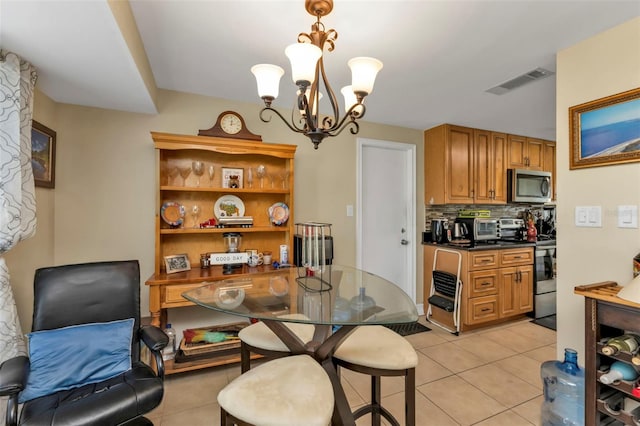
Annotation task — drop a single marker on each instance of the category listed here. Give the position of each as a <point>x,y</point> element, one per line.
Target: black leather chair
<point>82,294</point>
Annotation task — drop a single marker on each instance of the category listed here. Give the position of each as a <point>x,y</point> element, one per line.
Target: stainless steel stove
<point>544,288</point>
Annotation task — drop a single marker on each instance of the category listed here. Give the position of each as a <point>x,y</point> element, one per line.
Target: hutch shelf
<point>175,152</point>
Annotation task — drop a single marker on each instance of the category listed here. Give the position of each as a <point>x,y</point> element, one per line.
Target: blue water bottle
<point>563,386</point>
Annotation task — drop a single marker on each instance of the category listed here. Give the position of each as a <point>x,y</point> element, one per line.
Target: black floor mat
<point>548,322</point>
<point>407,329</point>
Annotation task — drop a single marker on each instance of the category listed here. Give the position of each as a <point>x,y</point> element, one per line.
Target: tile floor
<point>486,377</point>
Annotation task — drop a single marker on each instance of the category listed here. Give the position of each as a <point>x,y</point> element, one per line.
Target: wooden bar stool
<point>377,351</point>
<point>258,338</point>
<point>289,391</point>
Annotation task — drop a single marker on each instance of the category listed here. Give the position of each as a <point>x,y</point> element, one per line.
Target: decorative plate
<point>278,213</point>
<point>228,206</point>
<point>172,213</point>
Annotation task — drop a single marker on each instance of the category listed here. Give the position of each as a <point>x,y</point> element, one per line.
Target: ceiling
<point>439,56</point>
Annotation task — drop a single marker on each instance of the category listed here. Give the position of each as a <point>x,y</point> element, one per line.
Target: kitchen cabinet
<point>549,164</point>
<point>464,165</point>
<point>606,316</point>
<point>516,290</point>
<point>254,197</point>
<point>489,151</point>
<point>448,165</point>
<point>497,284</point>
<point>525,153</point>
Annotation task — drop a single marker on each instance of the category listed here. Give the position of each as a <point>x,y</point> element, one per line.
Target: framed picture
<point>605,131</point>
<point>232,178</point>
<point>177,263</point>
<point>43,155</point>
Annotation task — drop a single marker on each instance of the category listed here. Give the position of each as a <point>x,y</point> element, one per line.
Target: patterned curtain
<point>17,195</point>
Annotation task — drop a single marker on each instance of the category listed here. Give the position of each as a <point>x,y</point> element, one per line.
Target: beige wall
<point>595,68</point>
<point>104,200</point>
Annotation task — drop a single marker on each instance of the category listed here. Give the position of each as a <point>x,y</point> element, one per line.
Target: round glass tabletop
<point>331,295</point>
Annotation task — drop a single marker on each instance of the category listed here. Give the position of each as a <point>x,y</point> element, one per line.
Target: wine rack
<point>608,316</point>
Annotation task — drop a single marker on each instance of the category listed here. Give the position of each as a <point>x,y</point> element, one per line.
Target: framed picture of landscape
<point>43,155</point>
<point>605,131</point>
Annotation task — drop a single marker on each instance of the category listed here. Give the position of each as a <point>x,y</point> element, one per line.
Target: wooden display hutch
<point>606,316</point>
<point>173,151</point>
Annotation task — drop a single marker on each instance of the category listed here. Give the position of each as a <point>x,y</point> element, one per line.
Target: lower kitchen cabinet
<point>606,316</point>
<point>497,284</point>
<point>516,290</point>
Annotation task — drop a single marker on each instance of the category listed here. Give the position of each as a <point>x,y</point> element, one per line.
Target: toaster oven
<point>482,228</point>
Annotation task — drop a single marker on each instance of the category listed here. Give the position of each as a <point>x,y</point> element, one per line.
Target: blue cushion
<point>70,357</point>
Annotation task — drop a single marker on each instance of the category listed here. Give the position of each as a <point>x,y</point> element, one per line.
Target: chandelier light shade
<point>351,100</point>
<point>308,73</point>
<point>268,79</point>
<point>304,59</point>
<point>363,74</point>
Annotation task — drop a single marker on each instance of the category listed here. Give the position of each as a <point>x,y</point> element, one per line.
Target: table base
<point>321,348</point>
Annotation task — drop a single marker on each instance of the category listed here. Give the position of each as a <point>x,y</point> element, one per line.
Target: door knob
<point>404,242</point>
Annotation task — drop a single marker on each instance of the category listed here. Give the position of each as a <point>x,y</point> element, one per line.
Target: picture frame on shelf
<point>43,155</point>
<point>605,131</point>
<point>232,177</point>
<point>177,263</point>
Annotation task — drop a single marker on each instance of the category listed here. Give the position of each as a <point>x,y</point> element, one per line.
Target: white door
<point>386,206</point>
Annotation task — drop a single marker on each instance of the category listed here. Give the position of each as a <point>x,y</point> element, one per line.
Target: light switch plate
<point>349,210</point>
<point>588,216</point>
<point>628,216</point>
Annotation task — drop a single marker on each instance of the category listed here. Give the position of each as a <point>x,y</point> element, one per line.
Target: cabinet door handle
<point>485,309</point>
<point>485,283</point>
<point>517,257</point>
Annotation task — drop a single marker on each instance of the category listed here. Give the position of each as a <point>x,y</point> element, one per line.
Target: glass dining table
<point>334,298</point>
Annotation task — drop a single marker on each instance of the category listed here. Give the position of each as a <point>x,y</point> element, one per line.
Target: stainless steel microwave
<point>528,186</point>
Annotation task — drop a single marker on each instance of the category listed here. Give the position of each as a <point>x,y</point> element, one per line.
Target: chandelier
<point>307,69</point>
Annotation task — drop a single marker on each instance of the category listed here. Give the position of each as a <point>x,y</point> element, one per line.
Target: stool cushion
<point>260,336</point>
<point>289,391</point>
<point>376,346</point>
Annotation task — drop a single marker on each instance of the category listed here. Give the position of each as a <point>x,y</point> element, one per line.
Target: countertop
<point>498,245</point>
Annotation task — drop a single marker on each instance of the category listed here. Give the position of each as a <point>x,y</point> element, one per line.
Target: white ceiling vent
<point>519,81</point>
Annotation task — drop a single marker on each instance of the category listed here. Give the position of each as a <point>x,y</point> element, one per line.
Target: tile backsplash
<point>450,211</point>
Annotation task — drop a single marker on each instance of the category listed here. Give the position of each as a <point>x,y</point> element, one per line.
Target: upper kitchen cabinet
<point>549,164</point>
<point>525,153</point>
<point>490,185</point>
<point>464,165</point>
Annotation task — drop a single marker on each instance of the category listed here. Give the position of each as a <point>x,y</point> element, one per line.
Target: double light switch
<point>591,216</point>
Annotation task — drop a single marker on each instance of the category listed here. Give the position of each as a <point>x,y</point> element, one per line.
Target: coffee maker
<point>440,230</point>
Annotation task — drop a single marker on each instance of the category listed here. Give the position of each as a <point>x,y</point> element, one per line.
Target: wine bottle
<point>626,342</point>
<point>619,371</point>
